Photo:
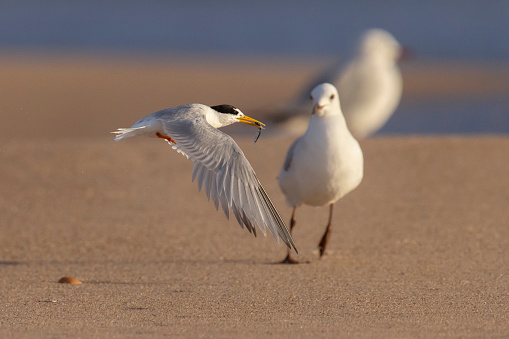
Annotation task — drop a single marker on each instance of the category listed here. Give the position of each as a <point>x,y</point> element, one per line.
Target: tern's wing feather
<point>227,177</point>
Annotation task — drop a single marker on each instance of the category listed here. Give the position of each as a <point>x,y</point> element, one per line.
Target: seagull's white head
<point>325,100</point>
<point>224,115</point>
<point>378,43</point>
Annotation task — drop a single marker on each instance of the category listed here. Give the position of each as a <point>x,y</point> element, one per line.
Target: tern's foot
<point>162,136</point>
<point>289,260</point>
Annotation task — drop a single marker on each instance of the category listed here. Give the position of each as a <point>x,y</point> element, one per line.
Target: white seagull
<point>370,82</point>
<point>324,164</point>
<point>219,164</point>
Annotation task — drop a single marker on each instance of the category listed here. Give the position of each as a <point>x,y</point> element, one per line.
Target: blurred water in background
<point>476,31</point>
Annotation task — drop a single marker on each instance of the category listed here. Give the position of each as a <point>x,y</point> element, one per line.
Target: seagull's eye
<point>310,97</point>
<point>332,96</point>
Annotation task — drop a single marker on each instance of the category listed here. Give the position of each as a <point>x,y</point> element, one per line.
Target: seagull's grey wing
<point>289,155</point>
<point>226,175</point>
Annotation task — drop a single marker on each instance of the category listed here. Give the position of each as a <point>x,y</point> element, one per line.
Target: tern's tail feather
<point>123,133</point>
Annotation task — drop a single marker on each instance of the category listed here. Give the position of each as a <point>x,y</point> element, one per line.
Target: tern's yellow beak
<point>251,121</point>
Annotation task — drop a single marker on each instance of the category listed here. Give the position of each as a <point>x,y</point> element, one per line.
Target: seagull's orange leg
<point>325,239</point>
<point>289,259</point>
<point>159,135</point>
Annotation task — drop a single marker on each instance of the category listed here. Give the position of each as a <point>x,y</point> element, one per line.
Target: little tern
<point>324,164</point>
<point>219,165</point>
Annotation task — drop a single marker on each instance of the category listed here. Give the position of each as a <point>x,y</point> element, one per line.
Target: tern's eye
<point>332,96</point>
<point>310,97</point>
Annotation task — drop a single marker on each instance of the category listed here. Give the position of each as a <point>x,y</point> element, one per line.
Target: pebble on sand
<point>69,280</point>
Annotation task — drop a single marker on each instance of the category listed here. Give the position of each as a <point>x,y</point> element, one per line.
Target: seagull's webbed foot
<point>323,243</point>
<point>288,260</point>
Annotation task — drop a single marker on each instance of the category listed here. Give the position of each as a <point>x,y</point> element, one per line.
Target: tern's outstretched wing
<point>226,175</point>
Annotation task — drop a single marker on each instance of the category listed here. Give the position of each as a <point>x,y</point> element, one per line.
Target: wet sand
<point>420,249</point>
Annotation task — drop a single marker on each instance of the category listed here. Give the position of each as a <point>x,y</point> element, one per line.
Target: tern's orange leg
<point>159,135</point>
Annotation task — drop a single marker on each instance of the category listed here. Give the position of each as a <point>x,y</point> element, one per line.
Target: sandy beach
<point>420,249</point>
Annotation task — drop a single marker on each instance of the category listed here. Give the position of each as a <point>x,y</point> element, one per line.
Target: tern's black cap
<point>228,109</point>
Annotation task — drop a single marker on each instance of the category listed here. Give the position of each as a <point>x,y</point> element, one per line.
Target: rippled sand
<point>420,249</point>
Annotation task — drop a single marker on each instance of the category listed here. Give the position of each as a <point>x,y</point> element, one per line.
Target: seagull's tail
<point>123,133</point>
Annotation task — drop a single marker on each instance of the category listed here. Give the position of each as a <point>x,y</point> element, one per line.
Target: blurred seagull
<point>219,164</point>
<point>324,164</point>
<point>370,83</point>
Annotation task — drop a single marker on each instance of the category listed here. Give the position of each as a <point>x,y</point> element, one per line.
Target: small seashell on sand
<point>69,280</point>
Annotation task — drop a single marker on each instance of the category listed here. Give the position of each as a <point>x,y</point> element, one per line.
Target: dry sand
<point>420,249</point>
